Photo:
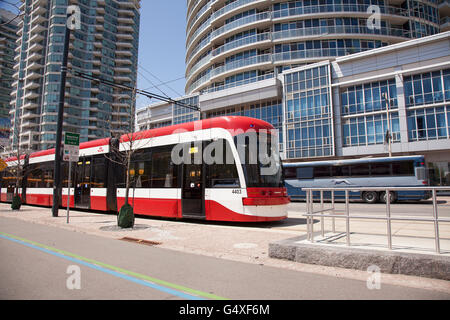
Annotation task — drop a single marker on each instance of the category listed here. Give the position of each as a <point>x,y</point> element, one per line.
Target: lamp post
<point>388,133</point>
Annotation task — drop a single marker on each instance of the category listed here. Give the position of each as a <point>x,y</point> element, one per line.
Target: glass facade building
<point>308,113</point>
<point>8,37</point>
<point>235,42</point>
<point>105,46</point>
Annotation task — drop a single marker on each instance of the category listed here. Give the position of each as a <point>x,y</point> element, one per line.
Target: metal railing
<point>388,218</point>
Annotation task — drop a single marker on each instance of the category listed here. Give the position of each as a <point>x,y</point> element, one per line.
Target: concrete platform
<point>413,243</point>
<point>410,256</point>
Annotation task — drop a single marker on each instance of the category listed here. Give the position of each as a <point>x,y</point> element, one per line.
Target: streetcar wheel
<point>370,196</point>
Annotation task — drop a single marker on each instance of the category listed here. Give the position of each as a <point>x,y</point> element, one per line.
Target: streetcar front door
<point>82,183</point>
<point>192,197</point>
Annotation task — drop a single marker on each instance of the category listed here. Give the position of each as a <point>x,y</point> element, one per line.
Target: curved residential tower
<point>229,43</point>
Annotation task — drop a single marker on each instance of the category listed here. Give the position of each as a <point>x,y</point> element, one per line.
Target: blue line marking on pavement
<point>114,273</point>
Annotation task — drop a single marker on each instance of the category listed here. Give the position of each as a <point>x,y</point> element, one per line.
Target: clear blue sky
<point>162,39</point>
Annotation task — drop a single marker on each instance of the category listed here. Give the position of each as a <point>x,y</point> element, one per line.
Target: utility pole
<point>388,133</point>
<point>73,22</point>
<point>59,128</point>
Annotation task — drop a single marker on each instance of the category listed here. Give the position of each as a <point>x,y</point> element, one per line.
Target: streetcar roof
<point>234,124</point>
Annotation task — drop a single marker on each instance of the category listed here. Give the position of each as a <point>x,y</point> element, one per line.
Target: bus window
<point>340,171</point>
<point>305,173</point>
<point>403,168</point>
<point>290,173</point>
<point>322,172</point>
<point>359,170</point>
<point>380,169</point>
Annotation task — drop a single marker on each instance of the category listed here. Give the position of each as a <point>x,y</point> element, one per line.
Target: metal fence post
<point>322,227</point>
<point>436,222</point>
<point>347,215</point>
<point>308,234</point>
<point>311,200</point>
<point>388,217</point>
<point>333,211</point>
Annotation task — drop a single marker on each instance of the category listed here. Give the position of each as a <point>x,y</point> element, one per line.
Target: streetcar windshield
<point>260,159</point>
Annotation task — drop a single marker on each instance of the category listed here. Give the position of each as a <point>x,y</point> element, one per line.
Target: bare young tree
<point>125,146</point>
<point>17,171</point>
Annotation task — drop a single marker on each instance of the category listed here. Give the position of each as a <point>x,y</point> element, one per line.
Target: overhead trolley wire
<point>125,87</point>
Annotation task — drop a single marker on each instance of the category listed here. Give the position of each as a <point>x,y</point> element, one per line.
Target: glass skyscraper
<point>106,46</point>
<point>8,37</point>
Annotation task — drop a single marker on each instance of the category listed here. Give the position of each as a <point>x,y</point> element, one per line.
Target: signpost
<point>71,154</point>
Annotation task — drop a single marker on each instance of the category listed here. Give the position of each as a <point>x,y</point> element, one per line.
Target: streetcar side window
<point>34,177</point>
<point>40,175</point>
<point>98,175</point>
<point>140,169</point>
<point>222,174</point>
<point>164,172</point>
<point>8,178</point>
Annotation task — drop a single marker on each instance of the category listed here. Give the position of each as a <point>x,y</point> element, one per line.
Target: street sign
<point>71,147</point>
<point>71,153</point>
<point>72,139</point>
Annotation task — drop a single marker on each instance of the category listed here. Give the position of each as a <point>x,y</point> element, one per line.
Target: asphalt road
<point>36,259</point>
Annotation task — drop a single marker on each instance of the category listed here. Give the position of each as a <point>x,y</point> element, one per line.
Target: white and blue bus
<point>406,171</point>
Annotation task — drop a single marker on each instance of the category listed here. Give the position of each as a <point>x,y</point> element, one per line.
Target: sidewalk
<point>247,243</point>
<point>234,241</point>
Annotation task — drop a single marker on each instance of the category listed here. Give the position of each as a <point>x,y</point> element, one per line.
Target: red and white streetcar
<point>209,169</point>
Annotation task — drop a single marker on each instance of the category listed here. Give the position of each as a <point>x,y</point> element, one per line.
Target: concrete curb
<point>423,265</point>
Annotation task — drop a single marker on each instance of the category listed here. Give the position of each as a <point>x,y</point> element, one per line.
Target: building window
<point>369,97</point>
<point>369,130</point>
<point>429,123</point>
<point>427,88</point>
<point>308,114</point>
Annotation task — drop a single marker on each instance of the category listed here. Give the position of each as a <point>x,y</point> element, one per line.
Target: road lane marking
<point>161,285</point>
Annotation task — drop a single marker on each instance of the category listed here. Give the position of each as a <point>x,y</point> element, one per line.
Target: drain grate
<point>141,241</point>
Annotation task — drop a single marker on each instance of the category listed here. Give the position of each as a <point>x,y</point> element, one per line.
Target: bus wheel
<point>370,196</point>
<point>393,197</point>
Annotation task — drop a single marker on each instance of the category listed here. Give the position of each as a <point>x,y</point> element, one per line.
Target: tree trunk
<point>18,173</point>
<point>127,184</point>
